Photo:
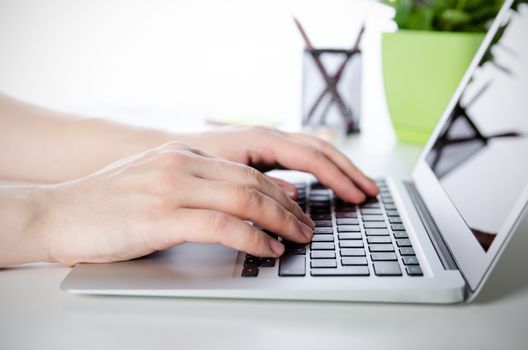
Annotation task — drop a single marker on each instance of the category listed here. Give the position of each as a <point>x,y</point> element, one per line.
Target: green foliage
<point>445,15</point>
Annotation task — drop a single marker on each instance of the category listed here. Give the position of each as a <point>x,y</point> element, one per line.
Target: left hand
<point>265,148</point>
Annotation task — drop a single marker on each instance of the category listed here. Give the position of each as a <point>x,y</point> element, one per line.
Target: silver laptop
<point>434,238</point>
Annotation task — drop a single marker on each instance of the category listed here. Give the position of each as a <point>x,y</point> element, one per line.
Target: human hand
<point>162,197</point>
<point>265,148</point>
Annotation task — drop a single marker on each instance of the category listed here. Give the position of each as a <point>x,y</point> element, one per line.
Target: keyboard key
<point>343,271</point>
<point>387,200</point>
<point>352,252</point>
<point>407,251</point>
<point>322,246</point>
<point>374,225</point>
<point>387,268</point>
<point>317,186</point>
<point>373,218</point>
<point>292,265</point>
<point>403,242</point>
<point>371,205</point>
<point>319,209</point>
<point>320,192</point>
<point>367,211</point>
<point>250,271</point>
<point>392,212</point>
<point>348,228</point>
<point>323,223</point>
<point>400,234</point>
<point>323,254</point>
<point>344,215</point>
<point>351,244</point>
<point>267,262</point>
<point>251,260</point>
<point>395,220</point>
<point>344,207</point>
<point>377,232</point>
<point>383,257</point>
<point>381,248</point>
<point>321,216</point>
<point>353,261</point>
<point>349,221</point>
<point>319,200</point>
<point>323,263</point>
<point>349,235</point>
<point>294,248</point>
<point>414,271</point>
<point>398,227</point>
<point>323,238</point>
<point>378,239</point>
<point>323,230</point>
<point>390,206</point>
<point>410,260</point>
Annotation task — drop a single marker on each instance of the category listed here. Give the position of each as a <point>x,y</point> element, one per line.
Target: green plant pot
<point>421,71</point>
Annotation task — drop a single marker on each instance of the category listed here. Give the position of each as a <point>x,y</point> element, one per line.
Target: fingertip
<point>355,197</point>
<point>276,247</point>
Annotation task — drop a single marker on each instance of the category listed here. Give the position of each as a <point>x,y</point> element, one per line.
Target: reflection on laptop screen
<point>480,157</point>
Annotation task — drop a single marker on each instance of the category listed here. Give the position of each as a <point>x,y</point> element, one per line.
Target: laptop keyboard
<point>348,240</point>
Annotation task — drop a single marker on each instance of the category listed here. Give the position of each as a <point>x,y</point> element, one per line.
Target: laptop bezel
<point>473,262</point>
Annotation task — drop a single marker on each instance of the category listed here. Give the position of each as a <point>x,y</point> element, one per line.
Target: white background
<point>160,62</point>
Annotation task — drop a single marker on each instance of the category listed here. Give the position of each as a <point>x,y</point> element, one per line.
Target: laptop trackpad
<point>187,265</point>
<point>192,260</point>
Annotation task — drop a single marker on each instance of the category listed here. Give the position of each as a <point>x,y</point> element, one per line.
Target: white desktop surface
<point>36,314</point>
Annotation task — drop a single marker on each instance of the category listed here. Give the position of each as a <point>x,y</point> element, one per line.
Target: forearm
<point>21,238</point>
<point>41,145</point>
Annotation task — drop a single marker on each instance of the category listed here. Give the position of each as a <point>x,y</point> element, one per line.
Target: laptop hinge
<point>432,230</point>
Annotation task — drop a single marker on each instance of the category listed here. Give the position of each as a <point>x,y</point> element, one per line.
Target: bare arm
<point>42,145</point>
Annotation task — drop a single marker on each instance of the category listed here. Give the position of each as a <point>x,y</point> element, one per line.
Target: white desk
<point>36,314</point>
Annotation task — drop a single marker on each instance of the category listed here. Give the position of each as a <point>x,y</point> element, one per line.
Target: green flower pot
<point>421,70</point>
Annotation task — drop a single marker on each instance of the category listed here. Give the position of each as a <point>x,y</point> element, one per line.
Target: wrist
<point>23,236</point>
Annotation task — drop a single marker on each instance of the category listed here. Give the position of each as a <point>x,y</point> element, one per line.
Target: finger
<point>366,184</point>
<point>287,187</point>
<point>247,203</point>
<point>298,155</point>
<point>209,226</point>
<point>221,170</point>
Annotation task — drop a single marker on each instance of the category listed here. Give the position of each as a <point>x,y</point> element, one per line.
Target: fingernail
<point>307,231</point>
<point>276,246</point>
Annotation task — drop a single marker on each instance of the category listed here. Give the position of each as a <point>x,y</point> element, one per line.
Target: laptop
<point>432,239</point>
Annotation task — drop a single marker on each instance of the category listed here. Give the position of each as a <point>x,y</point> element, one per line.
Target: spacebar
<point>343,271</point>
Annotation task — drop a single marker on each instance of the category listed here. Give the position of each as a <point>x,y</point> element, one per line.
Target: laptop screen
<point>480,157</point>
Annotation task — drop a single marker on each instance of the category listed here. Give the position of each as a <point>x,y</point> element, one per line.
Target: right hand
<point>162,197</point>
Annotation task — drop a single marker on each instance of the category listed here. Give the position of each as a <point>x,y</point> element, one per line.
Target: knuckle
<point>259,129</point>
<point>290,218</point>
<point>256,177</point>
<point>255,240</point>
<point>171,159</point>
<point>162,182</point>
<point>322,144</point>
<point>248,197</point>
<point>220,221</point>
<point>252,173</point>
<point>174,145</point>
<point>315,153</point>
